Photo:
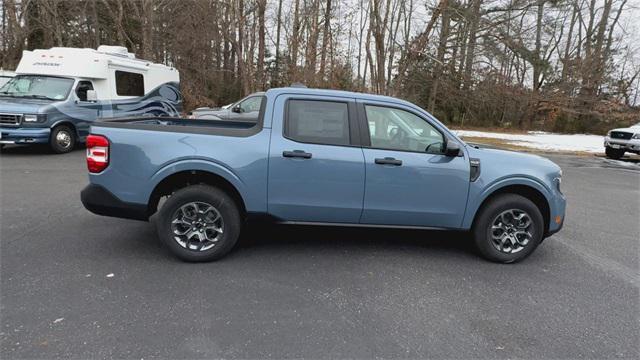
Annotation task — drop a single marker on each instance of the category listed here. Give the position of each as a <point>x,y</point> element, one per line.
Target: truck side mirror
<point>452,148</point>
<point>236,109</point>
<point>92,95</point>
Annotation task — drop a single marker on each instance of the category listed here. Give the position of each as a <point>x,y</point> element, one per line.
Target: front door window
<point>396,129</point>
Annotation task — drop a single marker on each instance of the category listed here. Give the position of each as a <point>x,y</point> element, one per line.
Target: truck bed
<point>162,123</point>
<point>143,151</point>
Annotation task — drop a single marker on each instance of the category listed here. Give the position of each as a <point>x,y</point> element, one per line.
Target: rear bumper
<point>24,135</point>
<point>101,201</point>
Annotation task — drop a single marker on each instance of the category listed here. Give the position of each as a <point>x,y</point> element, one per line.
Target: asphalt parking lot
<point>77,285</point>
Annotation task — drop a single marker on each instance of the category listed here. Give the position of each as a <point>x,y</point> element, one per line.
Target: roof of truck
<point>339,93</point>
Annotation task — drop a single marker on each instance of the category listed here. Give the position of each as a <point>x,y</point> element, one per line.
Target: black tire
<point>614,153</point>
<point>64,145</point>
<point>482,227</point>
<point>209,195</point>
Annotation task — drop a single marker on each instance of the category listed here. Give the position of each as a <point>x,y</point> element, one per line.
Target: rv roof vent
<point>298,85</point>
<point>115,50</point>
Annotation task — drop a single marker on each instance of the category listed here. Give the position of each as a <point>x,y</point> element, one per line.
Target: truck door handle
<point>389,161</point>
<point>296,154</point>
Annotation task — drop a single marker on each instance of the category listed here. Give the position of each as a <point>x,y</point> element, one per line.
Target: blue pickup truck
<point>319,157</point>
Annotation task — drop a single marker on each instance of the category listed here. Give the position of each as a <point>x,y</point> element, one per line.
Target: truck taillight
<point>97,153</point>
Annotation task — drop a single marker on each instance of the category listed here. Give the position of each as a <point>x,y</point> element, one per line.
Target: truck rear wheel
<point>508,228</point>
<point>62,139</point>
<point>614,153</point>
<point>199,223</point>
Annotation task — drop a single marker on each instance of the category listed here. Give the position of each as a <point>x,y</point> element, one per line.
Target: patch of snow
<point>57,320</point>
<point>626,164</point>
<point>544,140</point>
<point>110,275</point>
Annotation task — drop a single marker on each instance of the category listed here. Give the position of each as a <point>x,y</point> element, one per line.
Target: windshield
<point>4,79</point>
<point>38,87</point>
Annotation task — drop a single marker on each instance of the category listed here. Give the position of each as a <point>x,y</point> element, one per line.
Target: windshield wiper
<point>7,93</point>
<point>36,96</point>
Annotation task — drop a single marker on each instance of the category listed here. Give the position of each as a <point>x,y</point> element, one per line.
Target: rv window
<point>83,87</point>
<point>129,84</point>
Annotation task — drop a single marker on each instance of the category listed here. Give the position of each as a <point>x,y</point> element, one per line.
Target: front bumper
<point>555,228</point>
<point>631,145</point>
<point>24,135</point>
<point>101,201</point>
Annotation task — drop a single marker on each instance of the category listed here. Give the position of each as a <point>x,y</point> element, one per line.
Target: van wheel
<point>199,223</point>
<point>62,139</point>
<point>508,229</point>
<point>614,153</point>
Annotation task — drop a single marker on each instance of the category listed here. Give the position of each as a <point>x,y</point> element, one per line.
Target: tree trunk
<point>471,46</point>
<point>276,80</point>
<point>439,66</point>
<point>261,45</point>
<point>326,35</point>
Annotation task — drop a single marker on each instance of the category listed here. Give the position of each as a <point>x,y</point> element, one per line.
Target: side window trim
<point>355,137</point>
<point>364,125</point>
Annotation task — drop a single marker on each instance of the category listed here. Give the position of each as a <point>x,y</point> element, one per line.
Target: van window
<point>82,88</point>
<point>129,84</point>
<point>320,122</point>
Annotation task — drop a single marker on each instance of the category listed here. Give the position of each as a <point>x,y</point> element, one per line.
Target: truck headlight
<point>34,118</point>
<point>636,136</point>
<point>558,181</point>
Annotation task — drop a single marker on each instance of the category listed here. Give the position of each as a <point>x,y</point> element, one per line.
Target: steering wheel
<point>397,136</point>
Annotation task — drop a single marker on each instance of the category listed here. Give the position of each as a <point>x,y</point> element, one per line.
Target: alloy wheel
<point>511,231</point>
<point>197,226</point>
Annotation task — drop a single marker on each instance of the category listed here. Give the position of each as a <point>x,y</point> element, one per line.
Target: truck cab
<point>57,93</point>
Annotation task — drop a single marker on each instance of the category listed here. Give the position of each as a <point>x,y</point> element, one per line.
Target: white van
<point>57,93</point>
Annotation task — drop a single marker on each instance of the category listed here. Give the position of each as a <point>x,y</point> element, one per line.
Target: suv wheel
<point>199,223</point>
<point>62,139</point>
<point>508,228</point>
<point>614,153</point>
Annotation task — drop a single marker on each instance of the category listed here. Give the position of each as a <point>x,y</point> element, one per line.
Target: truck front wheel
<point>614,153</point>
<point>199,223</point>
<point>62,139</point>
<point>508,228</point>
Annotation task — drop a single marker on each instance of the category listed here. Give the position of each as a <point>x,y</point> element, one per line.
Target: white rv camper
<point>58,92</point>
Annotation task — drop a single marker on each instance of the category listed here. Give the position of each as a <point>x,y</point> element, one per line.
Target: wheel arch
<point>525,190</point>
<point>529,188</point>
<point>68,123</point>
<point>182,179</point>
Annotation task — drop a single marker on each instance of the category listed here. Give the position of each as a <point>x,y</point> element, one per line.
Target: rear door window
<point>319,122</point>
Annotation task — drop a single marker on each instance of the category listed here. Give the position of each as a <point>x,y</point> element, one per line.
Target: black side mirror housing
<point>236,109</point>
<point>452,148</point>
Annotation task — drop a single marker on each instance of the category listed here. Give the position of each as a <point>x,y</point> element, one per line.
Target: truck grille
<point>621,135</point>
<point>10,119</point>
